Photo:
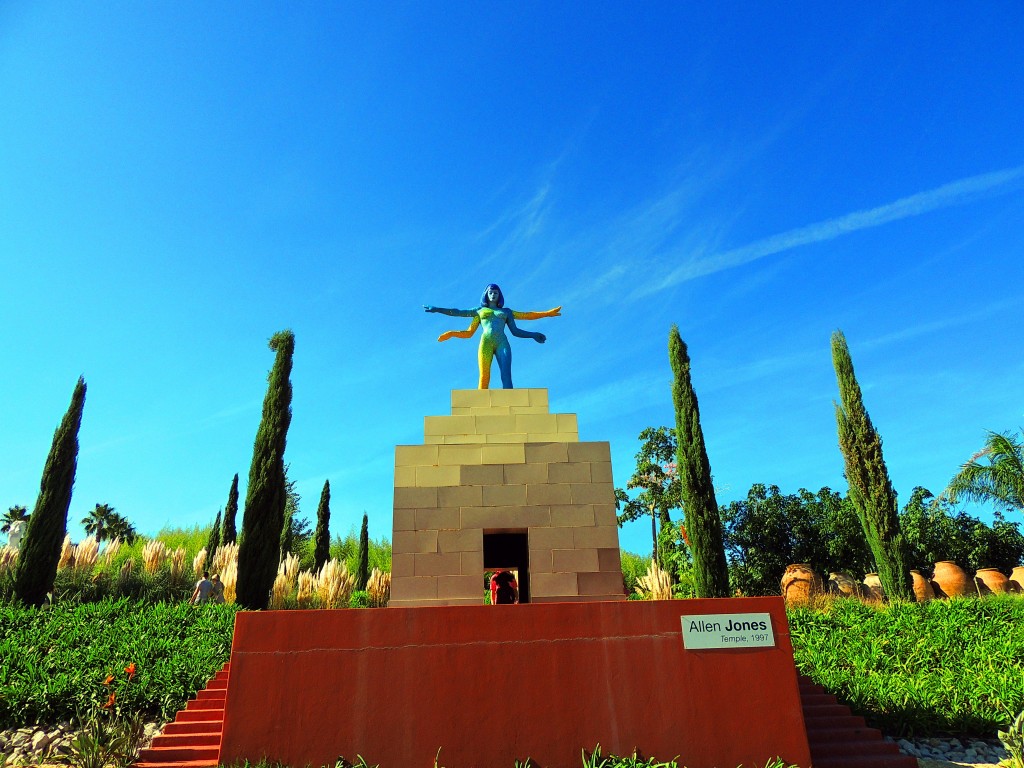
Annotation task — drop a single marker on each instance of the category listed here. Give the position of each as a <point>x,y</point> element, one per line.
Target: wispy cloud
<point>923,329</point>
<point>955,193</point>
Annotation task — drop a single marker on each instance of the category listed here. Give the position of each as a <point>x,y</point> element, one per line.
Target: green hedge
<point>942,667</point>
<point>53,661</point>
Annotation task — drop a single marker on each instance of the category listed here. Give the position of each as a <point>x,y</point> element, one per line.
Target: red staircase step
<point>212,694</point>
<point>849,733</point>
<point>176,754</point>
<point>197,726</point>
<point>193,715</point>
<point>205,739</point>
<point>196,704</point>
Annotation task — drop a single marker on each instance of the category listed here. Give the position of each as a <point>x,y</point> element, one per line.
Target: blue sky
<point>178,181</point>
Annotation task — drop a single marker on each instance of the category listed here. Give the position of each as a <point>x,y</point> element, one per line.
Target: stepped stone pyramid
<point>503,483</point>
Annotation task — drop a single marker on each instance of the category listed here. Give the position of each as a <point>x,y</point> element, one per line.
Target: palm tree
<point>1000,481</point>
<point>98,522</point>
<point>119,527</point>
<point>13,515</point>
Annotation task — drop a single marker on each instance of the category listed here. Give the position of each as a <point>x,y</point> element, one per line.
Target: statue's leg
<point>504,355</point>
<point>484,354</point>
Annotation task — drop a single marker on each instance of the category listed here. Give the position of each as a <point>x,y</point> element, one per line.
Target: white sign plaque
<point>728,630</point>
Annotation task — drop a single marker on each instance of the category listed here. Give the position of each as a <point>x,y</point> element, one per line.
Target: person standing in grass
<point>217,596</point>
<point>203,590</point>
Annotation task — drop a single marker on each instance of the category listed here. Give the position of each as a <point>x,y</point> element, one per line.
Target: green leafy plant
<point>1013,740</point>
<point>108,734</point>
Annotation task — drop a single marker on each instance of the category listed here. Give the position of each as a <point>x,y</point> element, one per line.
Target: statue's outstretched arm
<point>461,334</point>
<point>450,312</point>
<point>517,332</point>
<point>556,312</point>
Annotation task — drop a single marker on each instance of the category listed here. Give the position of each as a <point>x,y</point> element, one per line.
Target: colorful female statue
<point>494,318</point>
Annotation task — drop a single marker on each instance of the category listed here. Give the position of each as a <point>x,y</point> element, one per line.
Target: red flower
<point>109,680</point>
<point>130,670</point>
<point>110,701</point>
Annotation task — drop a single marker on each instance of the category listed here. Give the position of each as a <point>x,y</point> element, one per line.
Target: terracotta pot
<point>991,581</point>
<point>1017,580</point>
<point>949,580</point>
<point>874,585</point>
<point>800,583</point>
<point>923,591</point>
<point>844,585</point>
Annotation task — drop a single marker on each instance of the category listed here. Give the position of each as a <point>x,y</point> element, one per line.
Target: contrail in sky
<point>954,193</point>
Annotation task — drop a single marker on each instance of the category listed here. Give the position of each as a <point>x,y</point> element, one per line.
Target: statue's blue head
<point>492,292</point>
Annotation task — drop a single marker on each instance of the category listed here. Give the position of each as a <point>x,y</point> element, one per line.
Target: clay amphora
<point>844,585</point>
<point>991,581</point>
<point>949,580</point>
<point>923,591</point>
<point>800,583</point>
<point>874,584</point>
<point>1017,580</point>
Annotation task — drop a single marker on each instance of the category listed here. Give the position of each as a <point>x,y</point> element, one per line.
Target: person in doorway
<point>203,590</point>
<point>504,589</point>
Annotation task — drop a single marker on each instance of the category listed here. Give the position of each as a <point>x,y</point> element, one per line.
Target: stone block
<point>402,565</point>
<point>553,585</point>
<point>473,563</point>
<point>462,540</point>
<point>513,396</point>
<point>429,440</point>
<point>525,474</point>
<point>491,410</point>
<point>438,518</point>
<point>415,455</point>
<point>531,409</point>
<point>458,454</point>
<point>567,423</point>
<point>593,493</point>
<point>459,496</point>
<point>609,559</point>
<point>546,453</point>
<point>574,560</point>
<point>525,422</point>
<point>405,477</point>
<point>547,538</point>
<point>503,454</point>
<point>601,583</point>
<point>484,474</point>
<point>538,397</point>
<point>404,520</point>
<point>598,536</point>
<point>449,425</point>
<point>414,541</point>
<point>433,477</point>
<point>438,564</point>
<point>494,424</point>
<point>605,514</point>
<point>572,515</point>
<point>414,588</point>
<point>496,518</point>
<point>500,438</point>
<point>503,495</point>
<point>415,498</point>
<point>457,439</point>
<point>540,561</point>
<point>569,472</point>
<point>550,437</point>
<point>548,494</point>
<point>599,451</point>
<point>470,398</point>
<point>461,587</point>
<point>601,472</point>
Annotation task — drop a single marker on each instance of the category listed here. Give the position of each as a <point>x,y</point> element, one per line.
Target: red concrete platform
<point>492,684</point>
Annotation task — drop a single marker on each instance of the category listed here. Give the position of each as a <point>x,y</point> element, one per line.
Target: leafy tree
<point>697,490</point>
<point>769,530</point>
<point>322,537</point>
<point>213,541</point>
<point>266,495</point>
<point>656,476</point>
<point>13,515</point>
<point>296,531</point>
<point>1000,480</point>
<point>229,534</point>
<point>40,547</point>
<point>119,527</point>
<point>871,490</point>
<point>363,572</point>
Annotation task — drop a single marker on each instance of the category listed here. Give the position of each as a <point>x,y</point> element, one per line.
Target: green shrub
<point>54,659</point>
<point>941,667</point>
<point>359,599</point>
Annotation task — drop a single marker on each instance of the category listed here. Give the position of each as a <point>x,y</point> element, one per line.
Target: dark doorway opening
<point>509,551</point>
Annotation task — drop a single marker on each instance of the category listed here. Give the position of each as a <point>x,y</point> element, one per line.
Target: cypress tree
<point>871,491</point>
<point>229,535</point>
<point>363,571</point>
<point>48,523</point>
<point>265,497</point>
<point>322,537</point>
<point>697,491</point>
<point>213,541</point>
<point>287,530</point>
